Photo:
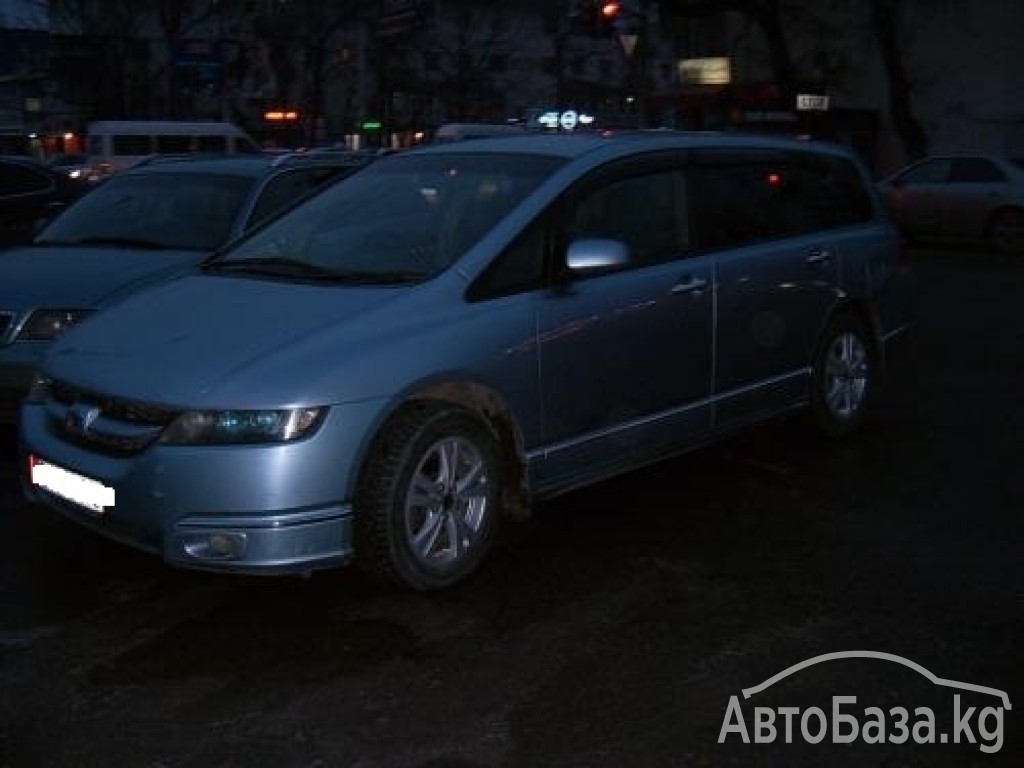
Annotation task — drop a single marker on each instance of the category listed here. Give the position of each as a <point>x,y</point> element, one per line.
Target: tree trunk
<point>884,19</point>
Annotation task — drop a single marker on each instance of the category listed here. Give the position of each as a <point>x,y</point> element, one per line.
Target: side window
<point>812,193</point>
<point>211,144</point>
<point>287,187</point>
<point>646,212</point>
<point>976,170</point>
<point>738,201</point>
<point>520,267</point>
<point>929,172</point>
<point>18,180</point>
<point>131,145</point>
<point>175,144</point>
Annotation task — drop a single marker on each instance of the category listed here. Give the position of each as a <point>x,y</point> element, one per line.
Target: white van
<point>113,145</point>
<point>461,131</point>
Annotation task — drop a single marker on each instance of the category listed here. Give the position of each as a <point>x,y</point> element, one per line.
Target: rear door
<point>770,218</point>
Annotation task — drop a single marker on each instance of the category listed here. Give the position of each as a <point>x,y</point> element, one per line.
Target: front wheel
<point>427,506</point>
<point>842,377</point>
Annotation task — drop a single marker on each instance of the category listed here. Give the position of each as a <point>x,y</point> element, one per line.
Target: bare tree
<point>176,19</point>
<point>302,40</point>
<point>472,43</point>
<point>885,17</point>
<point>109,71</point>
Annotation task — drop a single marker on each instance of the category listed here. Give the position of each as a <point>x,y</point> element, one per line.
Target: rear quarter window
<point>743,198</point>
<point>131,145</point>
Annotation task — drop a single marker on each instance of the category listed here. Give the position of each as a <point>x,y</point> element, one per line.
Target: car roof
<point>245,165</point>
<point>624,142</point>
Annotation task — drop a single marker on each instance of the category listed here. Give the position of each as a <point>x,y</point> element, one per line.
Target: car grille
<point>103,422</point>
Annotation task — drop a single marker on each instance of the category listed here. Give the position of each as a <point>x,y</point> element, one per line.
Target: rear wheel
<point>842,377</point>
<point>1006,232</point>
<point>427,506</point>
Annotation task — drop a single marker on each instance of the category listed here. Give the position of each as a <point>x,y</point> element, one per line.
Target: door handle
<point>819,256</point>
<point>690,285</point>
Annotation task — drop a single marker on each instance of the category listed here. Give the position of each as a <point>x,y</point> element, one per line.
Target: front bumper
<point>18,363</point>
<point>278,508</point>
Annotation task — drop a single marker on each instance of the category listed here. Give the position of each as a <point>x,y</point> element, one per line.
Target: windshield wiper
<point>273,265</point>
<point>120,242</point>
<point>289,267</point>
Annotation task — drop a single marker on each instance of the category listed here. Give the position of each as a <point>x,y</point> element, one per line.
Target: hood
<point>81,278</point>
<point>204,339</point>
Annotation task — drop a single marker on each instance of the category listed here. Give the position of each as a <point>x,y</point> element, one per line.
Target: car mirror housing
<point>595,254</point>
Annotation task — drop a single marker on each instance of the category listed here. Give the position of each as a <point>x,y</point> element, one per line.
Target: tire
<point>1006,232</point>
<point>842,377</point>
<point>428,504</point>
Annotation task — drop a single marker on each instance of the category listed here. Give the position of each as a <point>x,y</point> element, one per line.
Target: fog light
<point>221,545</point>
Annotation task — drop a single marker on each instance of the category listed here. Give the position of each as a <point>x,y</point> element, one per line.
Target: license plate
<point>76,488</point>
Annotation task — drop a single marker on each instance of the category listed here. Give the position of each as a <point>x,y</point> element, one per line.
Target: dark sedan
<point>143,225</point>
<point>29,193</point>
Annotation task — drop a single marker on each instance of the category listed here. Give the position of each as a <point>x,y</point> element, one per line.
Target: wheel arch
<point>864,311</point>
<point>490,409</point>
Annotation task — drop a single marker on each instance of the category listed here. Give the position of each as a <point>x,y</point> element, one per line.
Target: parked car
<point>388,369</point>
<point>141,226</point>
<point>29,192</point>
<point>966,198</point>
<point>74,164</point>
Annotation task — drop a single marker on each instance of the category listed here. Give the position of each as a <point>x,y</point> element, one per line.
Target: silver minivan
<point>388,370</point>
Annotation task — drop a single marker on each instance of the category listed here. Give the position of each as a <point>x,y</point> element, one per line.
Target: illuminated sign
<point>566,120</point>
<point>710,71</point>
<point>811,102</point>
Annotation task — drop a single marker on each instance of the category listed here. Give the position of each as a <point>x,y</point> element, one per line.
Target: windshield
<point>404,218</point>
<point>187,211</point>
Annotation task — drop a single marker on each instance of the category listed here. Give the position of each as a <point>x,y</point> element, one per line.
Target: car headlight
<point>47,324</point>
<point>232,427</point>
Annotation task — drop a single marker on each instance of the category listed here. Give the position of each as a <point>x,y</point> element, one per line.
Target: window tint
<point>818,192</point>
<point>928,172</point>
<point>744,199</point>
<point>131,145</point>
<point>172,144</point>
<point>288,187</point>
<point>645,212</point>
<point>16,179</point>
<point>211,144</point>
<point>519,268</point>
<point>189,210</point>
<point>975,170</point>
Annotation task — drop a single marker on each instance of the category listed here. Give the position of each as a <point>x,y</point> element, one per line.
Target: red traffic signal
<point>610,10</point>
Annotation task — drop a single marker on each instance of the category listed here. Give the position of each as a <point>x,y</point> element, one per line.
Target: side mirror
<point>596,254</point>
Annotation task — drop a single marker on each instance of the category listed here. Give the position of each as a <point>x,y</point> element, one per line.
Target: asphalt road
<point>614,628</point>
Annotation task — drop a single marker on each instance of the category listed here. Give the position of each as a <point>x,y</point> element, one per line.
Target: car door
<point>916,197</point>
<point>777,268</point>
<point>625,355</point>
<point>976,187</point>
<point>24,195</point>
